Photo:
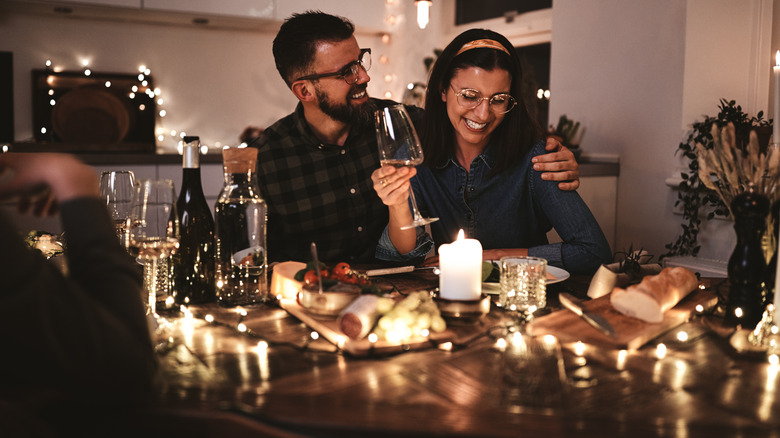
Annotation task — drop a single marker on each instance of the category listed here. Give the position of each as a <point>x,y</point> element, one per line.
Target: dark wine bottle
<point>193,263</point>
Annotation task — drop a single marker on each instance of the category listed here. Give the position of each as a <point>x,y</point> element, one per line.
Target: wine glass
<point>399,147</point>
<point>153,232</point>
<point>116,189</point>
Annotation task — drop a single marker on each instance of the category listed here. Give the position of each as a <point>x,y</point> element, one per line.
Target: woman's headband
<point>482,44</point>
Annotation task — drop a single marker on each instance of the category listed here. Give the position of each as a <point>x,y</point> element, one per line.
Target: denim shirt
<point>514,209</point>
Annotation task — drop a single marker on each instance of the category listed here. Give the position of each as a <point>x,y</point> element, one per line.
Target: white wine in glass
<point>399,147</point>
<point>154,231</point>
<point>116,190</point>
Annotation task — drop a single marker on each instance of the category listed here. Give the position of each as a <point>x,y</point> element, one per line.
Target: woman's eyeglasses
<point>349,73</point>
<point>500,102</point>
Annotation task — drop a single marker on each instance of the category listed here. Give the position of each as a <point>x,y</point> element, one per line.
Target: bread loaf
<point>655,294</point>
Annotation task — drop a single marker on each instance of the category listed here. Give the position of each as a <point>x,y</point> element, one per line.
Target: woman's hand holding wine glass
<point>400,147</point>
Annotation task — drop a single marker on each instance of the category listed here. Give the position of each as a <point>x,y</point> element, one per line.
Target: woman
<point>479,142</point>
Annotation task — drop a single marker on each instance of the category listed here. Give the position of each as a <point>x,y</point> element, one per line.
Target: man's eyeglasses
<point>500,102</point>
<point>349,73</point>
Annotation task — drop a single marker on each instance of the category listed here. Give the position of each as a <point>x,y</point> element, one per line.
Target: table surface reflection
<point>276,373</point>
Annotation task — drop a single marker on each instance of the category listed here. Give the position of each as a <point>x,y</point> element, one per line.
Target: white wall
<point>617,66</point>
<point>638,74</point>
<point>214,82</point>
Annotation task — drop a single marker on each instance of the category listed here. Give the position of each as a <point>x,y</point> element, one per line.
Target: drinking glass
<point>523,284</point>
<point>533,376</point>
<point>153,232</point>
<point>399,147</point>
<point>116,189</point>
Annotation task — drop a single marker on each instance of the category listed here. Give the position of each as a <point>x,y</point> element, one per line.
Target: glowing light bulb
<point>579,348</point>
<point>660,351</point>
<point>423,12</point>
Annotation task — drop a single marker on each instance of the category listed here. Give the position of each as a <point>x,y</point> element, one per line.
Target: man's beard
<point>354,115</point>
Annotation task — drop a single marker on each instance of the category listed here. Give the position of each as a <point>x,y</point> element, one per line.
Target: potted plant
<point>693,194</point>
<point>568,133</point>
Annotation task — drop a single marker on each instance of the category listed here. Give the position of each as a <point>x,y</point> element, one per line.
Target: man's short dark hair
<point>295,44</point>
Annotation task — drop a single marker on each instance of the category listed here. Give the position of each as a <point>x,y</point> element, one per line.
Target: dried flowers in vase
<point>736,171</point>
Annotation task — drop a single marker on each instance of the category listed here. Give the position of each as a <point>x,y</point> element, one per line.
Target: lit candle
<point>460,263</point>
<point>776,123</point>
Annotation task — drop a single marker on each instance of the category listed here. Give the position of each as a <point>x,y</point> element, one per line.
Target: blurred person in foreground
<point>77,356</point>
<point>479,142</point>
<point>315,165</point>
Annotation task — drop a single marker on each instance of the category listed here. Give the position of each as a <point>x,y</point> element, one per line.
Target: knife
<point>598,321</point>
<point>400,270</point>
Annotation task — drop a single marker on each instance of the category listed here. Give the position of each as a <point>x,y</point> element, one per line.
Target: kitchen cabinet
<point>370,14</point>
<point>120,3</point>
<point>236,8</point>
<point>254,15</point>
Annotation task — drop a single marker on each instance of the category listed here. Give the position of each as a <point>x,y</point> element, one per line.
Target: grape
<point>409,317</point>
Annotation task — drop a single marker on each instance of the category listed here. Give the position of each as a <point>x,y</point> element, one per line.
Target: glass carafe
<point>240,236</point>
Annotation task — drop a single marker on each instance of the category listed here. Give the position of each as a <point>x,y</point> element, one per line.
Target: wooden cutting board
<point>632,333</point>
<point>328,327</point>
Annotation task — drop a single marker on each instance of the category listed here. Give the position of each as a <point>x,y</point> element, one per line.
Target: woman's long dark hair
<point>518,132</point>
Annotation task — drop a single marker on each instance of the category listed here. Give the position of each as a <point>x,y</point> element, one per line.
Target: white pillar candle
<point>776,122</point>
<point>460,263</point>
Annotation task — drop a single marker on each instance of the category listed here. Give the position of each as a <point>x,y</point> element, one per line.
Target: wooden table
<point>275,379</point>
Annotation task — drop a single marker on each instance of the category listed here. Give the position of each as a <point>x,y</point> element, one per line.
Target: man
<point>78,360</point>
<point>315,165</point>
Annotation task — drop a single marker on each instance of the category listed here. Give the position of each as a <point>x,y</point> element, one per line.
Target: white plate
<point>558,273</point>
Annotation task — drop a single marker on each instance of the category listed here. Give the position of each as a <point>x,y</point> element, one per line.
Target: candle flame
<point>460,234</point>
<point>777,58</point>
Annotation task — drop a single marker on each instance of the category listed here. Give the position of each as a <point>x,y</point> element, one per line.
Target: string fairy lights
<point>141,95</point>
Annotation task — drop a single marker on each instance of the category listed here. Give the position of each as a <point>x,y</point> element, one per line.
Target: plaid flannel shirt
<point>319,192</point>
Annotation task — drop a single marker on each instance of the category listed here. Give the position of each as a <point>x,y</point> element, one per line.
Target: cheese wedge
<point>283,283</point>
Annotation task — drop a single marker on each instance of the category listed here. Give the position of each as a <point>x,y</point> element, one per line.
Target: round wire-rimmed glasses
<point>500,103</point>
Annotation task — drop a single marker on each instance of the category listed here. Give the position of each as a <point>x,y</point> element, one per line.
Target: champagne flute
<point>153,232</point>
<point>116,189</point>
<point>399,147</point>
